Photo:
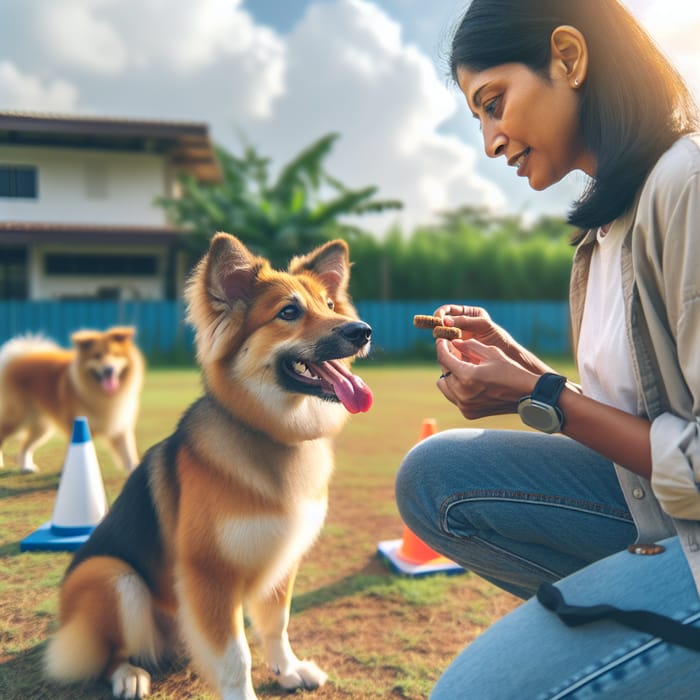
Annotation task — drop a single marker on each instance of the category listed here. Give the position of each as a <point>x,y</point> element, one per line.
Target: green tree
<point>300,209</point>
<point>470,254</point>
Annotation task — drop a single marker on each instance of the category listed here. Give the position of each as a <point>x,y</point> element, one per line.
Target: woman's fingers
<point>453,354</point>
<point>460,310</point>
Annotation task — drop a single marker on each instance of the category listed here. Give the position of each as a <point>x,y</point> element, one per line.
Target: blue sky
<point>285,72</point>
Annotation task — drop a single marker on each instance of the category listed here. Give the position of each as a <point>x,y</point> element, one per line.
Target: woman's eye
<point>291,312</point>
<point>490,106</point>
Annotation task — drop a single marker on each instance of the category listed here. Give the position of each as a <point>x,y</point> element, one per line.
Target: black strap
<point>665,628</point>
<point>549,387</point>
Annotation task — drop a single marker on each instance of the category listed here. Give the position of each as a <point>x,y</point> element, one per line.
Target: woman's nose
<point>494,141</point>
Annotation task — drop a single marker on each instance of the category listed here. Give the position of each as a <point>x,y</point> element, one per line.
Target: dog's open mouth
<point>330,380</point>
<point>107,378</point>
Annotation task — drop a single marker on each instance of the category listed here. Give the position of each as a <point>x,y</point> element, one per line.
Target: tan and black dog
<point>44,386</point>
<point>219,514</point>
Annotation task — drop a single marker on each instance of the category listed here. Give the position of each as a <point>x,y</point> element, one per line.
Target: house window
<point>18,181</point>
<point>13,273</point>
<point>102,265</point>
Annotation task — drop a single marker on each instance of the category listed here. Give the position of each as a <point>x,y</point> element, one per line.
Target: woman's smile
<point>519,162</point>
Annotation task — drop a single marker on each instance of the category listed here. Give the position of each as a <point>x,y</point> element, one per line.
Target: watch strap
<point>548,388</point>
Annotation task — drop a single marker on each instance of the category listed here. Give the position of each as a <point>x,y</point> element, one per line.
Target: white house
<point>78,218</point>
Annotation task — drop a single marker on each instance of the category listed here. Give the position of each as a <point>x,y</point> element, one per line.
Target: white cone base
<point>388,550</point>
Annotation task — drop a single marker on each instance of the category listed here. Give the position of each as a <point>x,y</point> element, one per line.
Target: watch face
<point>540,416</point>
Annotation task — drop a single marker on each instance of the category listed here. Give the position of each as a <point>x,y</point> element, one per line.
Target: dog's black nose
<point>356,332</point>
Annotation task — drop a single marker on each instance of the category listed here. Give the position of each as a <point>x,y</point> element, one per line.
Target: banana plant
<point>302,207</point>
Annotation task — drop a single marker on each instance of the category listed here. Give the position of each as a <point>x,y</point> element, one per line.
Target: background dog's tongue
<point>109,383</point>
<point>353,393</point>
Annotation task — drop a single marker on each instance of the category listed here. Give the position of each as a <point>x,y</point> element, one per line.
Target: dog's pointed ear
<point>83,340</point>
<point>121,334</point>
<point>231,270</point>
<point>329,262</point>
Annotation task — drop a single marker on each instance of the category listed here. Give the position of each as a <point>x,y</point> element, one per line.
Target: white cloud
<point>211,49</point>
<point>26,92</point>
<point>204,60</point>
<point>349,71</point>
<point>78,37</point>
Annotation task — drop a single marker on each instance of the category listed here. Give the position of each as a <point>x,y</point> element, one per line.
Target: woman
<point>558,86</point>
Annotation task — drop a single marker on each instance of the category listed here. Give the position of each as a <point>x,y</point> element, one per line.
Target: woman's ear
<point>569,55</point>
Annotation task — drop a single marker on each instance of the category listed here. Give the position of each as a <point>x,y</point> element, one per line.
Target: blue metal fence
<point>163,334</point>
<point>541,326</point>
<point>160,326</point>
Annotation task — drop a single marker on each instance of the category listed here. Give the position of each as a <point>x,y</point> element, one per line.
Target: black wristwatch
<point>540,409</point>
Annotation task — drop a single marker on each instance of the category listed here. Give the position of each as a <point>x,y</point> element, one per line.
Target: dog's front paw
<point>130,682</point>
<point>303,674</point>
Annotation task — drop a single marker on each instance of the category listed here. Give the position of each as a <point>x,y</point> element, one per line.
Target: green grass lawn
<point>376,632</point>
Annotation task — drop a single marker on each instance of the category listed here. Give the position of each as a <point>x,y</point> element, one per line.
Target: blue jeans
<point>519,508</point>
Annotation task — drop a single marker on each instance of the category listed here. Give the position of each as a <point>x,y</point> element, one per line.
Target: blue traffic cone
<point>80,502</point>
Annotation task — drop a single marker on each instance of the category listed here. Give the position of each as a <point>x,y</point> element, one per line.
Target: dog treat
<point>435,322</point>
<point>423,321</point>
<point>449,332</point>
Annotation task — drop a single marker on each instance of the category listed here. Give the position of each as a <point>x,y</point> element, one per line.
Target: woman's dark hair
<point>633,103</point>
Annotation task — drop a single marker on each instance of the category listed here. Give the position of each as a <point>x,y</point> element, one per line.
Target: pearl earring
<point>576,82</point>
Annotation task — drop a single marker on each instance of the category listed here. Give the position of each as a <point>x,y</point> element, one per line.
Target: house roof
<point>21,232</point>
<point>187,144</point>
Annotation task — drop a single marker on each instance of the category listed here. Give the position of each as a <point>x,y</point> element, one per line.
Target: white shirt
<point>603,358</point>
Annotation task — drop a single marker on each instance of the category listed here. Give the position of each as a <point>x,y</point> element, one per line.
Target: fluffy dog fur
<point>44,386</point>
<point>221,512</point>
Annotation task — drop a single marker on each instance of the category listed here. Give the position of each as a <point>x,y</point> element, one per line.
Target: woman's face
<point>532,122</point>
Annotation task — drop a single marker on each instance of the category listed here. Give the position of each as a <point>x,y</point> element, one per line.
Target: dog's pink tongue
<point>109,384</point>
<point>353,393</point>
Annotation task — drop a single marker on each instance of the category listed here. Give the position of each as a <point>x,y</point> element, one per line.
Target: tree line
<point>468,254</point>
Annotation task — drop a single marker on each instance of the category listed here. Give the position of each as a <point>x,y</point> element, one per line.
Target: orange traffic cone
<point>413,550</point>
<point>410,555</point>
<point>428,427</point>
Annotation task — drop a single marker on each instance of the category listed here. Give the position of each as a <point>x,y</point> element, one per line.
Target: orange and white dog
<point>219,514</point>
<point>44,386</point>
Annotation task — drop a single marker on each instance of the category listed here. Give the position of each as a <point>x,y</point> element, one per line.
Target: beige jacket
<point>661,286</point>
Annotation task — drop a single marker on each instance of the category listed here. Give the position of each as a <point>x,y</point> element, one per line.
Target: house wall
<point>127,288</point>
<point>87,186</point>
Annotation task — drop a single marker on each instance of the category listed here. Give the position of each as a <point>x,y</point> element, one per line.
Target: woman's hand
<point>475,322</point>
<point>481,380</point>
<point>487,371</point>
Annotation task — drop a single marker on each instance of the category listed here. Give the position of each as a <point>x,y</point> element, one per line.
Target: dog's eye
<point>331,305</point>
<point>291,312</point>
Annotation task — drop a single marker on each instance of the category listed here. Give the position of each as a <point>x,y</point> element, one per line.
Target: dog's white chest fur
<point>272,543</point>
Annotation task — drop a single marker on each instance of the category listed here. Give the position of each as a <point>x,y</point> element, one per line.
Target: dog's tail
<point>74,653</point>
<point>22,345</point>
<point>109,618</point>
